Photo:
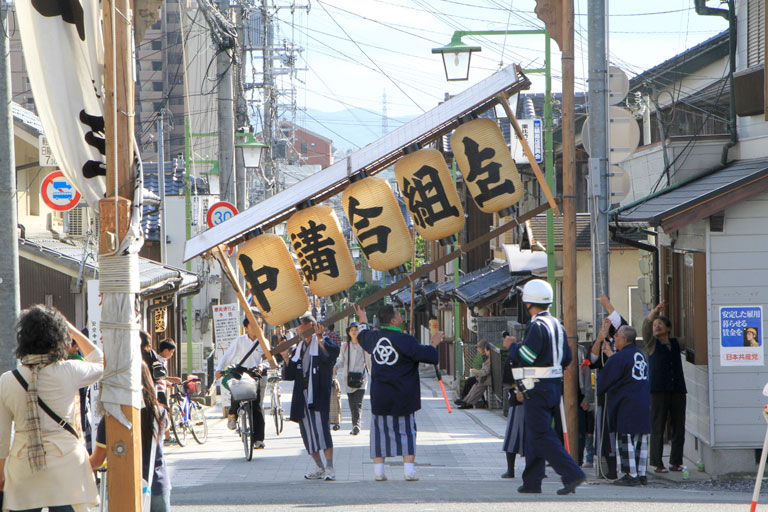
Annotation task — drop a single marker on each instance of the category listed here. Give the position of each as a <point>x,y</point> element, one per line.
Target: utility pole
<point>599,193</point>
<point>571,384</point>
<point>118,317</point>
<point>161,186</point>
<point>242,123</point>
<point>9,258</point>
<point>224,63</point>
<point>270,109</point>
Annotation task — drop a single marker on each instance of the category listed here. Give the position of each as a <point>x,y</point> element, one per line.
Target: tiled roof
<point>174,186</point>
<point>72,252</point>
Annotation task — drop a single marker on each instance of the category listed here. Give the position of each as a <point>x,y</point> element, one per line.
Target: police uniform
<point>311,369</point>
<point>624,378</point>
<point>542,355</point>
<point>395,388</point>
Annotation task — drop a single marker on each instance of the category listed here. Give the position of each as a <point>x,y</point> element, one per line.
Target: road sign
<point>45,153</point>
<point>533,135</point>
<point>58,192</point>
<point>219,212</point>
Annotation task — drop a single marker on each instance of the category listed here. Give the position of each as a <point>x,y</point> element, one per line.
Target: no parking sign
<point>58,192</point>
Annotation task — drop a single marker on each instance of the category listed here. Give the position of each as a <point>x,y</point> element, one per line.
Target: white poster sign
<point>532,131</point>
<point>741,336</point>
<point>226,327</point>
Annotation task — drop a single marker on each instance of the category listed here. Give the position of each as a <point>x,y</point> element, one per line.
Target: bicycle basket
<point>244,388</point>
<point>192,385</point>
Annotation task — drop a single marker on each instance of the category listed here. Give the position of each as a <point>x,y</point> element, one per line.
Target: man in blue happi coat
<point>624,379</point>
<point>311,368</point>
<point>395,388</point>
<point>541,357</point>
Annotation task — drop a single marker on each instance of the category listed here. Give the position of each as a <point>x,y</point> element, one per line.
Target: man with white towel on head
<point>395,388</point>
<point>311,368</point>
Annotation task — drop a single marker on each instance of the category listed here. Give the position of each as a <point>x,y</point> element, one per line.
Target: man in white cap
<point>541,357</point>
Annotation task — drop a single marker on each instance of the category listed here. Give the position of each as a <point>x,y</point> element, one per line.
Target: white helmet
<point>537,291</point>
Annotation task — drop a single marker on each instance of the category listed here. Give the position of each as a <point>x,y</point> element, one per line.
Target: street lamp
<point>456,57</point>
<point>252,149</point>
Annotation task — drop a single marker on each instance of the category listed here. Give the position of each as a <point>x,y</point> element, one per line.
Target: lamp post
<point>456,59</point>
<point>252,151</point>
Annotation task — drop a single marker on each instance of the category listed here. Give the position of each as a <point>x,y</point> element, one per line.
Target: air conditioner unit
<point>76,221</point>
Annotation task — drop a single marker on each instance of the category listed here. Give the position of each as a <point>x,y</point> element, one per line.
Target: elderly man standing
<point>311,368</point>
<point>624,378</point>
<point>395,388</point>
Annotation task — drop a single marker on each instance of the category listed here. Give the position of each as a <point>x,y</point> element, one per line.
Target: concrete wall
<point>624,273</point>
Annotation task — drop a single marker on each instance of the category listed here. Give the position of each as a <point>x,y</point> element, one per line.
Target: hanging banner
<point>63,51</point>
<point>741,336</point>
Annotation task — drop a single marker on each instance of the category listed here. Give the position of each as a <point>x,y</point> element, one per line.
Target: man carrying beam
<point>395,388</point>
<point>311,368</point>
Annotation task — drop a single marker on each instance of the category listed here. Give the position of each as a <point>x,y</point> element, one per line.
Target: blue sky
<point>354,50</point>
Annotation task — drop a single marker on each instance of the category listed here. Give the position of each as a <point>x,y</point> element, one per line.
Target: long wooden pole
<point>220,254</point>
<point>571,382</point>
<point>502,97</point>
<point>123,445</point>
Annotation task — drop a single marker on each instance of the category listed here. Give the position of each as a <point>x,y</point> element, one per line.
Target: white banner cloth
<point>64,54</point>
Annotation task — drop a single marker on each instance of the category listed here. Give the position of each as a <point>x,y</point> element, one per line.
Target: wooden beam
<point>422,271</point>
<point>220,254</point>
<point>528,153</point>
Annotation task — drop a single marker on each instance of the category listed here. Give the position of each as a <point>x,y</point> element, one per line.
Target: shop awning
<point>423,289</point>
<point>72,257</point>
<point>697,198</point>
<point>483,286</point>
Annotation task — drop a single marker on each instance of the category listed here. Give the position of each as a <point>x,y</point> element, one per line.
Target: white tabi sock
<point>378,468</point>
<point>409,468</point>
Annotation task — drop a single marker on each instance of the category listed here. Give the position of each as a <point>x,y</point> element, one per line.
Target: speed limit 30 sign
<point>219,212</point>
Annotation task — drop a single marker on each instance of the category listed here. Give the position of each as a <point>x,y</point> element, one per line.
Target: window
<point>755,33</point>
<point>157,86</point>
<point>157,65</point>
<point>303,148</point>
<point>157,45</point>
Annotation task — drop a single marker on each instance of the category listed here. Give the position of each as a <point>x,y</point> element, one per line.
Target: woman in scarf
<point>47,464</point>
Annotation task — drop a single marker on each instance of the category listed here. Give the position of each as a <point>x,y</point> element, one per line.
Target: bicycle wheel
<point>177,425</point>
<point>198,423</point>
<point>245,418</point>
<point>277,411</point>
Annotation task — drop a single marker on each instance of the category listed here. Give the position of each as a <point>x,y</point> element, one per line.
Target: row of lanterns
<point>315,234</point>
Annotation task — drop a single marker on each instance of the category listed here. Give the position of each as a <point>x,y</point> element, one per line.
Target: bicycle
<point>186,414</point>
<point>243,384</point>
<point>273,390</point>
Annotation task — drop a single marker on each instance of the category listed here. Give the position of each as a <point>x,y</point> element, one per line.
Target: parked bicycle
<point>243,384</point>
<point>273,391</point>
<point>186,414</point>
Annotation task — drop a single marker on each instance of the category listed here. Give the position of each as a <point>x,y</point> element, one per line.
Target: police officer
<point>540,358</point>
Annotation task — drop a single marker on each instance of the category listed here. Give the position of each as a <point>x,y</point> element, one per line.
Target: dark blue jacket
<point>395,358</point>
<point>667,368</point>
<point>322,375</point>
<point>536,341</point>
<point>624,378</point>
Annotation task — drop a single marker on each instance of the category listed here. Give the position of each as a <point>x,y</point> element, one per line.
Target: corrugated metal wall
<point>43,285</point>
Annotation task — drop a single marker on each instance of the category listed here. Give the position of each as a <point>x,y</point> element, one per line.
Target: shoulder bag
<point>354,379</point>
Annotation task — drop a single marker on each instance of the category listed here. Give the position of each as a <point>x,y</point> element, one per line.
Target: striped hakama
<point>315,430</point>
<point>514,438</point>
<point>393,436</point>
